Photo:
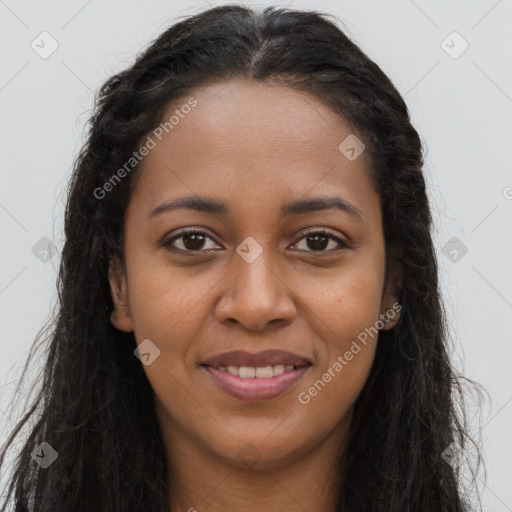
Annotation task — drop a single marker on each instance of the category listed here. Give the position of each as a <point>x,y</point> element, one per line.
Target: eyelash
<point>197,231</point>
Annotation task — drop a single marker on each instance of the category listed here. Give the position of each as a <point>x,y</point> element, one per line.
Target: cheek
<point>346,318</point>
<point>344,312</point>
<point>165,305</point>
<point>343,304</point>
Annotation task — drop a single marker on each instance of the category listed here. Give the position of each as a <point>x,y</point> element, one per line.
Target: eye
<point>318,240</point>
<point>193,240</point>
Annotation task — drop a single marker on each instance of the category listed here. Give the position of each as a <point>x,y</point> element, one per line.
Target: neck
<point>201,480</point>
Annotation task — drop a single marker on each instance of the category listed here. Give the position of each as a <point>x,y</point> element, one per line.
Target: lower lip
<point>255,388</point>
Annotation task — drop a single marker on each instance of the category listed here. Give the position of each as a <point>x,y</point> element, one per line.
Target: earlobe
<point>391,316</point>
<point>121,314</point>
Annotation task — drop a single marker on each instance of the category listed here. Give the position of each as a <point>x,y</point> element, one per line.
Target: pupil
<point>316,245</point>
<point>197,241</point>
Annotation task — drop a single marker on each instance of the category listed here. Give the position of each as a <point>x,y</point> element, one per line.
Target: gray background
<point>460,104</point>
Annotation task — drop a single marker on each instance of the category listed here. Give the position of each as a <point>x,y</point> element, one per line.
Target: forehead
<point>245,116</point>
<point>269,141</point>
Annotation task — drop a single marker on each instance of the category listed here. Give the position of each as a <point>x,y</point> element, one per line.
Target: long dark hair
<point>96,408</point>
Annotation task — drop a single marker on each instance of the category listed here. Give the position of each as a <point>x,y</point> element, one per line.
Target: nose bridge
<point>255,269</point>
<point>255,293</point>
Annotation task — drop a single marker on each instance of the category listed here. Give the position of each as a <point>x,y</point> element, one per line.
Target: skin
<point>253,146</point>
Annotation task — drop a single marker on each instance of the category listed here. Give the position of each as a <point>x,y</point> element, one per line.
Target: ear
<point>390,308</point>
<point>121,315</point>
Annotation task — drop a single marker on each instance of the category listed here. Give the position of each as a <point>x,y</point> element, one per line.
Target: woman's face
<point>213,305</point>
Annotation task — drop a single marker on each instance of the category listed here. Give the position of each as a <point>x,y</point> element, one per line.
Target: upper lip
<point>265,358</point>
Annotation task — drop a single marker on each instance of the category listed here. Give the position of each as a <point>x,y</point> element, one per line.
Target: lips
<point>255,377</point>
<point>265,358</point>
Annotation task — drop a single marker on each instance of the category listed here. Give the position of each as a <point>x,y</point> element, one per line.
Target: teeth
<point>247,372</point>
<point>278,369</point>
<point>260,372</point>
<point>264,372</point>
<point>233,370</point>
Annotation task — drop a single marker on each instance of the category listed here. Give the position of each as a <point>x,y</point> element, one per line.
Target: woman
<point>249,315</point>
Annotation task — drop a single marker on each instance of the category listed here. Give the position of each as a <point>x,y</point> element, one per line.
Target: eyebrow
<point>297,207</point>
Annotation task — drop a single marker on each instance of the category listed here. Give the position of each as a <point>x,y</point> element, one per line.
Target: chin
<point>263,452</point>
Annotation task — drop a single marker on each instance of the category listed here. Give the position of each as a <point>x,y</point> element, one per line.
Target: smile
<point>256,383</point>
<point>258,372</point>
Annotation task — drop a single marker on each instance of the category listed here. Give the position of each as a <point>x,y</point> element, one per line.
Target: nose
<point>256,295</point>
